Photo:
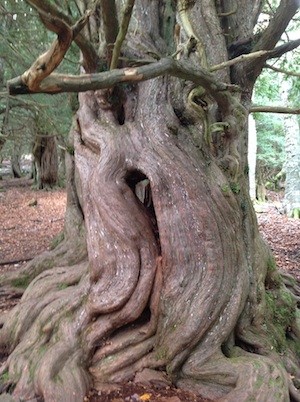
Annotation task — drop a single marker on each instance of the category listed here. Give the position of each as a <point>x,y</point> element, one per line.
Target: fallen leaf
<point>145,397</point>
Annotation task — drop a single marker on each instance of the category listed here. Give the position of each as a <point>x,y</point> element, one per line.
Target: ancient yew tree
<point>161,266</point>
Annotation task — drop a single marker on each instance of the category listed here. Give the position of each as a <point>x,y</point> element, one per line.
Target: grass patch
<point>4,377</point>
<point>21,282</point>
<point>62,286</point>
<point>57,240</point>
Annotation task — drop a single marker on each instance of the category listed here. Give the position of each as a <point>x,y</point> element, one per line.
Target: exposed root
<point>241,378</point>
<point>43,335</point>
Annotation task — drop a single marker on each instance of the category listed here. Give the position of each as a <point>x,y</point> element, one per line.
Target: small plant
<point>21,282</point>
<point>57,240</point>
<point>4,378</point>
<point>235,187</point>
<point>62,286</point>
<point>225,188</point>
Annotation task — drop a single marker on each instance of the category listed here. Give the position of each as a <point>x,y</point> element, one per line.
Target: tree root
<point>42,334</point>
<point>238,378</point>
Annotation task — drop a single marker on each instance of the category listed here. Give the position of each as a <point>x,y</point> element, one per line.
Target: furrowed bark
<point>177,277</point>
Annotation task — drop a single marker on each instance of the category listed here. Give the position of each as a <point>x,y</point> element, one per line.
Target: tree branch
<point>282,49</point>
<point>110,25</point>
<point>274,109</point>
<point>58,83</point>
<point>283,71</point>
<point>49,61</point>
<point>243,57</point>
<point>267,54</point>
<point>272,34</point>
<point>90,56</point>
<point>122,33</point>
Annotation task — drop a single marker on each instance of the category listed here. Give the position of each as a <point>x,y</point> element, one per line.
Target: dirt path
<point>29,219</point>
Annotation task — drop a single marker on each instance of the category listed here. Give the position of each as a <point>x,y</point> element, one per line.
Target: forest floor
<point>31,219</point>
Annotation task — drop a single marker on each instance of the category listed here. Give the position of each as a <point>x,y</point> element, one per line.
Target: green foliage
<point>267,88</point>
<point>275,89</point>
<point>23,38</point>
<point>270,128</point>
<point>21,282</point>
<point>57,240</point>
<point>4,378</point>
<point>271,141</point>
<point>225,188</point>
<point>62,286</point>
<point>235,187</point>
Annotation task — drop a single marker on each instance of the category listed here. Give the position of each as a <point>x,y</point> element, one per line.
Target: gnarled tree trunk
<point>177,277</point>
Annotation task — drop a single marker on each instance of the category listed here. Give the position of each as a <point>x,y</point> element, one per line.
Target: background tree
<point>45,157</point>
<point>270,133</point>
<point>292,167</point>
<point>292,164</point>
<point>176,278</point>
<point>22,37</point>
<point>279,133</point>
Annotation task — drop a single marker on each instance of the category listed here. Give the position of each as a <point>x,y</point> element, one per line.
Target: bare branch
<point>267,54</point>
<point>270,37</point>
<point>243,57</point>
<point>274,109</point>
<point>58,83</point>
<point>228,13</point>
<point>286,47</point>
<point>283,71</point>
<point>122,33</point>
<point>110,25</point>
<point>284,13</point>
<point>90,57</point>
<point>49,61</point>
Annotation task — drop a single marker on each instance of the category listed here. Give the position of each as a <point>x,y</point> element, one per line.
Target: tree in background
<point>278,137</point>
<point>162,266</point>
<point>270,133</point>
<point>45,157</point>
<point>292,167</point>
<point>292,163</point>
<point>22,37</point>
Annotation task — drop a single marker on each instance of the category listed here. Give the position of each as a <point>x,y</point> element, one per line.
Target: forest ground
<point>30,220</point>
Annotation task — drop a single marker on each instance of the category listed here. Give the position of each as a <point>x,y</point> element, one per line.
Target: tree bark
<point>46,161</point>
<point>252,151</point>
<point>292,167</point>
<point>177,277</point>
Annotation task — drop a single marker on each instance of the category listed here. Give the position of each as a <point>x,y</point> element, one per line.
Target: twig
<point>10,262</point>
<point>122,34</point>
<point>228,13</point>
<point>243,57</point>
<point>110,25</point>
<point>283,71</point>
<point>274,109</point>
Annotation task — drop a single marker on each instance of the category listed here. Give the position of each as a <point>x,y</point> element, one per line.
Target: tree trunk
<point>177,277</point>
<point>15,162</point>
<point>46,161</point>
<point>252,151</point>
<point>292,167</point>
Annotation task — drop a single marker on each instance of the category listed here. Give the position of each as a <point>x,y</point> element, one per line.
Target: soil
<point>31,219</point>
